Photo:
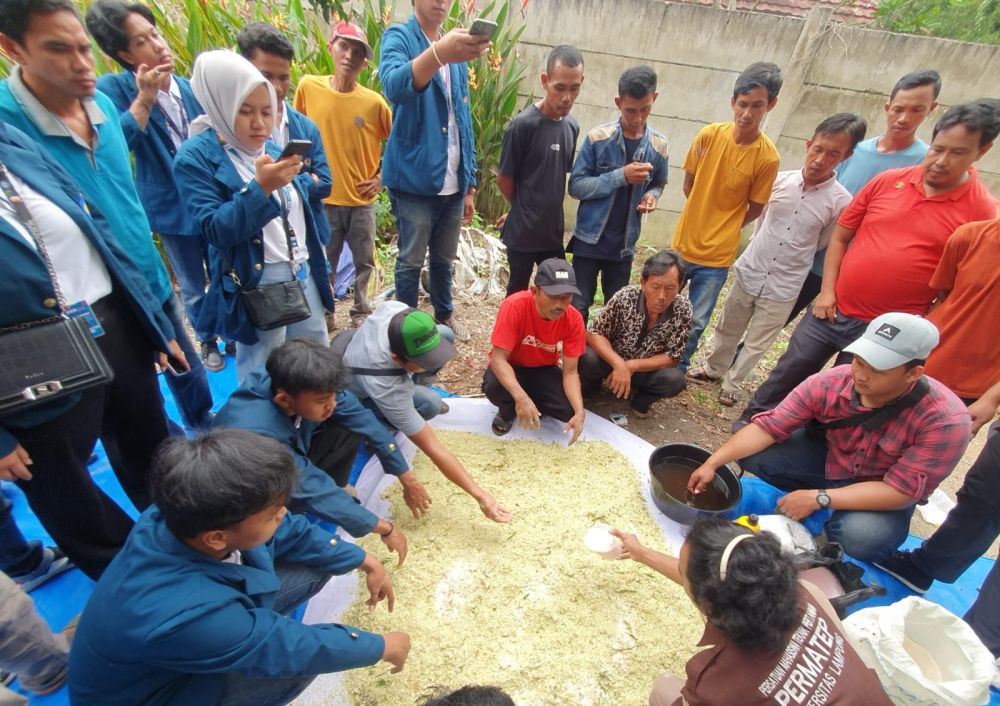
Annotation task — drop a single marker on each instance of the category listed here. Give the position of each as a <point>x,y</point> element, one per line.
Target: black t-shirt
<point>537,154</point>
<point>612,240</point>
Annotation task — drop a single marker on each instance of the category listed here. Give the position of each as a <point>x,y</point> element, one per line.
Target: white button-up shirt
<point>796,222</point>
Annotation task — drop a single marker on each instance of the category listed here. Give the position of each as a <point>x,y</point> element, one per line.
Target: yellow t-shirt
<point>353,126</point>
<point>727,177</point>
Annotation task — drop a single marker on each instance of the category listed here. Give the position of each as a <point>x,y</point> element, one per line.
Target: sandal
<point>728,399</point>
<point>700,373</point>
<point>501,426</point>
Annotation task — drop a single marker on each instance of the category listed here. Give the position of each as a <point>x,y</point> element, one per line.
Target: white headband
<point>724,561</point>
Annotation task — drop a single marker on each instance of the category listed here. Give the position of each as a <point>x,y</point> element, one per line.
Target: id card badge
<point>82,310</point>
<point>301,273</point>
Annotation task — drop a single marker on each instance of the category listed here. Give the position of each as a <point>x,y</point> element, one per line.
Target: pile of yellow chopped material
<point>526,606</point>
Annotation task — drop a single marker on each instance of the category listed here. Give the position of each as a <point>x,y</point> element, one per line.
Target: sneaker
<point>740,422</point>
<point>900,566</point>
<point>458,328</point>
<point>54,562</point>
<point>210,357</point>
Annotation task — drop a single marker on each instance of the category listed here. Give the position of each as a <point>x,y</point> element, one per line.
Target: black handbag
<point>49,358</point>
<point>280,304</point>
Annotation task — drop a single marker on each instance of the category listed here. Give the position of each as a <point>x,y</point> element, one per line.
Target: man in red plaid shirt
<point>871,478</point>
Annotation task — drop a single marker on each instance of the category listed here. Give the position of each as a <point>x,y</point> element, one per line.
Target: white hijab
<point>221,82</point>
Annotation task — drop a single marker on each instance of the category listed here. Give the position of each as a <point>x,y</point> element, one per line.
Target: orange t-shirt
<point>966,359</point>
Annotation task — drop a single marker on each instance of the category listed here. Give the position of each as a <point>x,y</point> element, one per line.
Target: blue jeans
<point>191,391</point>
<point>189,260</point>
<point>298,584</point>
<point>18,556</point>
<point>704,286</point>
<point>428,227</point>
<point>614,275</point>
<point>799,463</point>
<point>249,358</point>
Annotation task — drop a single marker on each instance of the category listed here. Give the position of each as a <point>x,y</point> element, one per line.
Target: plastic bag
<point>923,654</point>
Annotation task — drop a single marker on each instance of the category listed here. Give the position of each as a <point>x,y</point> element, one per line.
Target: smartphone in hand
<point>296,147</point>
<point>483,28</point>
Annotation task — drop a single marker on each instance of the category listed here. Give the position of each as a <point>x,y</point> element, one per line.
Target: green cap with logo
<point>414,337</point>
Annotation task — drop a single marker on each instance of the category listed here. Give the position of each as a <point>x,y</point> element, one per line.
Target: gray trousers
<point>28,646</point>
<point>354,225</point>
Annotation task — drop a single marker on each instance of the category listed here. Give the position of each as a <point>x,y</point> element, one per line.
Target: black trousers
<point>647,387</point>
<point>127,416</point>
<point>810,290</point>
<point>544,386</point>
<point>812,344</point>
<point>967,533</point>
<point>521,265</point>
<point>334,449</point>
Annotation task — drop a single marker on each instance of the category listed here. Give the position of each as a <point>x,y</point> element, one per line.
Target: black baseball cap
<point>414,337</point>
<point>555,277</point>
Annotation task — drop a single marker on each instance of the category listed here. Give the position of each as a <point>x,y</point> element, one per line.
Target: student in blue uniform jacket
<point>265,47</point>
<point>299,390</point>
<point>45,448</point>
<point>192,612</point>
<point>50,95</point>
<point>156,109</point>
<point>237,189</point>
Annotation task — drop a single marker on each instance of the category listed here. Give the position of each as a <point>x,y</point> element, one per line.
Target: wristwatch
<point>822,499</point>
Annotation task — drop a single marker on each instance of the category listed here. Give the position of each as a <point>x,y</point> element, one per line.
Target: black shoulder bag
<point>48,358</point>
<point>280,304</point>
<point>874,418</point>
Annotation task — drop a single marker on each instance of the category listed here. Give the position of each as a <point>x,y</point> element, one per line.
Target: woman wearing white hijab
<point>230,178</point>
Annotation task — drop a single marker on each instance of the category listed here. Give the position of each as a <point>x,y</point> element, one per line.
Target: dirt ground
<point>693,417</point>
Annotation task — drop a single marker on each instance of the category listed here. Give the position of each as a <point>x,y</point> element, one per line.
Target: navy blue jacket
<point>252,408</point>
<point>231,214</point>
<point>301,127</point>
<point>25,288</point>
<point>416,155</point>
<point>166,623</point>
<point>154,153</point>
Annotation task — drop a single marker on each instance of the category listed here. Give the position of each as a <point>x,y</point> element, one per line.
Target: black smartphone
<point>300,147</point>
<point>175,367</point>
<point>482,27</point>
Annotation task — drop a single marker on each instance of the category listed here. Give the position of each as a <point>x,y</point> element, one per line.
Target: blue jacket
<point>599,171</point>
<point>416,155</point>
<point>154,153</point>
<point>231,215</point>
<point>252,408</point>
<point>108,186</point>
<point>165,623</point>
<point>25,288</point>
<point>300,127</point>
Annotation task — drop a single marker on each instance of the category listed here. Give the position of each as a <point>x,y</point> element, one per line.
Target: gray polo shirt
<point>369,348</point>
<point>796,222</point>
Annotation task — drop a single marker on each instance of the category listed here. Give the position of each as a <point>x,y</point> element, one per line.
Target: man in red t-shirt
<point>523,378</point>
<point>897,227</point>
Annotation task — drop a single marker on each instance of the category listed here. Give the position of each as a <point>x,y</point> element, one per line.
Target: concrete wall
<point>698,52</point>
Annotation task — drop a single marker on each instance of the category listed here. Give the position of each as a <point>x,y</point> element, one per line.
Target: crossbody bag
<point>48,358</point>
<point>875,419</point>
<point>280,304</point>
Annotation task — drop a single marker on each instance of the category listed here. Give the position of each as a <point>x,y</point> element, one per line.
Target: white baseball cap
<point>895,339</point>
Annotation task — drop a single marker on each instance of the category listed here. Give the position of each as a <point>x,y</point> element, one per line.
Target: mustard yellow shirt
<point>727,177</point>
<point>353,126</point>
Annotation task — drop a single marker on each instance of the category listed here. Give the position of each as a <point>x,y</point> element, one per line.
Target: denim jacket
<point>599,171</point>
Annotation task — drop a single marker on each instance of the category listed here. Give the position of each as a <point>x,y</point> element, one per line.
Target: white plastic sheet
<point>471,415</point>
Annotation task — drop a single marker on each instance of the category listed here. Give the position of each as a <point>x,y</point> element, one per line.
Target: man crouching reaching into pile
<point>193,608</point>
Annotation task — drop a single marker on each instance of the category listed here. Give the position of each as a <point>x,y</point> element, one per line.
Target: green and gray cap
<point>414,337</point>
<point>895,339</point>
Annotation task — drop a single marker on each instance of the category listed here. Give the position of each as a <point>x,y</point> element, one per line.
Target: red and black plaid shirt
<point>912,453</point>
